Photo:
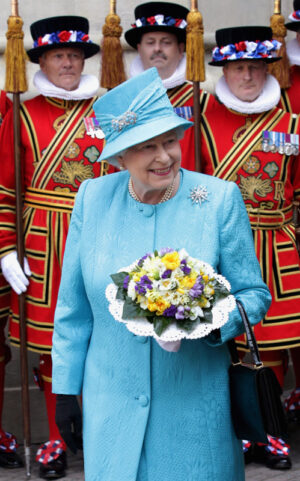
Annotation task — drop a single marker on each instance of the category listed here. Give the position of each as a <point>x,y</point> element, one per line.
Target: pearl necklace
<point>167,195</point>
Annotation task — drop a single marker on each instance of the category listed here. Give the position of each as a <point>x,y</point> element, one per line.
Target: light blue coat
<point>151,415</point>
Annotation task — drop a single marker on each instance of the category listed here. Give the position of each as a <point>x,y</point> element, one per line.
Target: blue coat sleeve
<point>73,317</point>
<point>239,264</point>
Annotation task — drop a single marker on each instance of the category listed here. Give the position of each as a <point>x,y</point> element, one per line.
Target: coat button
<point>142,339</point>
<point>147,210</point>
<point>143,400</point>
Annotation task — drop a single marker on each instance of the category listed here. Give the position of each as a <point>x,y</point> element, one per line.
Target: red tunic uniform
<point>290,98</point>
<point>181,98</point>
<point>232,150</point>
<point>57,155</point>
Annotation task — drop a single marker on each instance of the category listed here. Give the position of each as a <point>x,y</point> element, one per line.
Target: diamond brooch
<point>198,194</point>
<point>128,118</point>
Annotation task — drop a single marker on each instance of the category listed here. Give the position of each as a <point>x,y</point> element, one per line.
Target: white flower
<point>143,302</point>
<point>195,312</point>
<point>167,284</point>
<point>153,266</point>
<point>208,291</point>
<point>183,254</point>
<point>131,290</point>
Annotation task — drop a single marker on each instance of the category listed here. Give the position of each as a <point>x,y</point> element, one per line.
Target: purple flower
<point>185,269</point>
<point>166,274</point>
<point>170,311</point>
<point>140,262</point>
<point>165,250</point>
<point>197,288</point>
<point>180,312</point>
<point>143,284</point>
<point>126,282</point>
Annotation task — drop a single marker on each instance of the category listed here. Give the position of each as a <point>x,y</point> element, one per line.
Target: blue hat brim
<point>142,132</point>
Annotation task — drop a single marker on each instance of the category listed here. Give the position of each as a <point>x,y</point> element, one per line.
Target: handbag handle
<point>250,340</point>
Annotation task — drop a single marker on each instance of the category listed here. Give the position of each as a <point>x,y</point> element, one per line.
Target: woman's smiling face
<point>153,164</point>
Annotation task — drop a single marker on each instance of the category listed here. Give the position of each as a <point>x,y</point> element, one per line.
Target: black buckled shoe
<point>10,460</point>
<point>273,461</point>
<point>54,469</point>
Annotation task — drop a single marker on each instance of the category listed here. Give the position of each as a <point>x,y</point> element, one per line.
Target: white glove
<point>170,346</point>
<point>13,272</point>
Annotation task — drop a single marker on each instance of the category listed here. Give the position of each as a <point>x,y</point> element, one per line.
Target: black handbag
<point>256,406</point>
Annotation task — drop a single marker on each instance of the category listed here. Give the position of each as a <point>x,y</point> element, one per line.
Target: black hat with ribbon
<point>158,16</point>
<point>294,24</point>
<point>59,32</point>
<point>244,43</point>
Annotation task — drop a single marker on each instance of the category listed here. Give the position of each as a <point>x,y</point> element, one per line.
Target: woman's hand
<point>69,420</point>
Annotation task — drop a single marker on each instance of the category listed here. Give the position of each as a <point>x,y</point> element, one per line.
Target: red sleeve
<point>7,187</point>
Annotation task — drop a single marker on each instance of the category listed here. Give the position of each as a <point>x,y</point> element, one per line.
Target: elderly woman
<point>149,414</point>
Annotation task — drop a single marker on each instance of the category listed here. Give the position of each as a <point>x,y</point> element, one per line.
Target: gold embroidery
<point>81,132</point>
<point>254,185</point>
<point>62,189</point>
<point>59,121</point>
<point>241,130</point>
<point>104,168</point>
<point>268,205</point>
<point>73,170</point>
<point>279,190</point>
<point>252,165</point>
<point>72,151</point>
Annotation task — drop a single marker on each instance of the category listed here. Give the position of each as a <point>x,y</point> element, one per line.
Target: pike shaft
<point>113,6</point>
<point>277,7</point>
<point>14,8</point>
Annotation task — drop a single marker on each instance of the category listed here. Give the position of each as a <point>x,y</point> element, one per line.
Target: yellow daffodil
<point>171,260</point>
<point>160,305</point>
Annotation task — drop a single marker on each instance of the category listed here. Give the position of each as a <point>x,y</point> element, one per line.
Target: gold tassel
<point>15,56</point>
<point>112,72</point>
<point>281,69</point>
<point>195,70</point>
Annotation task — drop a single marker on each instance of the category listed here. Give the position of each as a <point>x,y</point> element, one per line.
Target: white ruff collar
<point>177,78</point>
<point>268,98</point>
<point>87,88</point>
<point>293,51</point>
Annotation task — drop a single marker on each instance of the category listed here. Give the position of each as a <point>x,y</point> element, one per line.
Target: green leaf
<point>220,292</point>
<point>208,317</point>
<point>121,294</point>
<point>188,325</point>
<point>118,278</point>
<point>131,310</point>
<point>161,323</point>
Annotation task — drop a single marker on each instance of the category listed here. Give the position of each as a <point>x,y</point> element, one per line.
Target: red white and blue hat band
<point>246,50</point>
<point>63,36</point>
<point>295,16</point>
<point>160,21</point>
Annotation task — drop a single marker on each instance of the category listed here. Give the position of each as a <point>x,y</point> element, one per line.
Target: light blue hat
<point>135,111</point>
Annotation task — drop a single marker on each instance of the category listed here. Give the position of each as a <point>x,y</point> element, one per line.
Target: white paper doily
<point>141,327</point>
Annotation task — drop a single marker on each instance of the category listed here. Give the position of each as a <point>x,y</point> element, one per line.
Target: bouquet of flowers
<point>170,295</point>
